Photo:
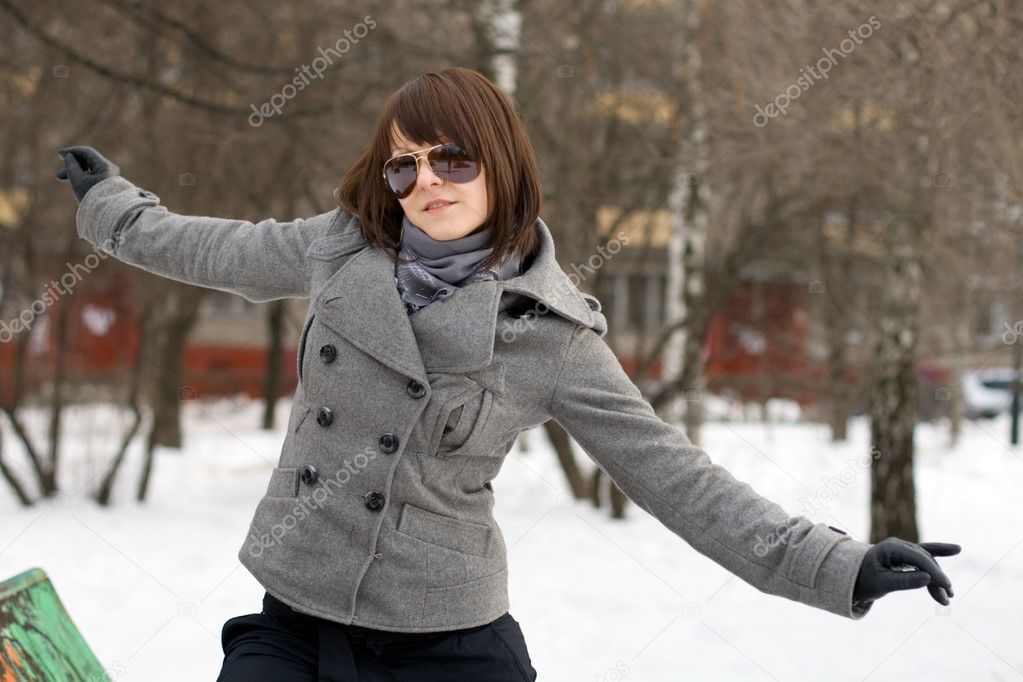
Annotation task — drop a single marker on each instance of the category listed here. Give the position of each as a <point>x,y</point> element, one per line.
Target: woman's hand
<point>84,167</point>
<point>895,564</point>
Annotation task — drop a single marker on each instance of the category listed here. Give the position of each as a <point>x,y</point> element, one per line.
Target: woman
<point>440,327</point>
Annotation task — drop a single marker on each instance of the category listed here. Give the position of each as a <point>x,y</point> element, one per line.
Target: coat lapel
<point>546,283</point>
<point>361,302</point>
<point>456,334</point>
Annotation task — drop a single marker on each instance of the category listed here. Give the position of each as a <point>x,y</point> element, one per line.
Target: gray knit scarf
<point>440,266</point>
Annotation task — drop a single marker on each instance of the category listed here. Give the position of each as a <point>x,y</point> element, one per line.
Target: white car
<point>987,392</point>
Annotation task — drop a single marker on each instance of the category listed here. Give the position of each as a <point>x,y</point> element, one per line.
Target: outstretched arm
<point>260,261</point>
<point>658,468</point>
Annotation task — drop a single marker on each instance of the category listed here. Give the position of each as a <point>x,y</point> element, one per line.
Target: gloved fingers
<point>90,160</point>
<point>893,581</point>
<point>82,152</point>
<point>82,155</point>
<point>939,593</point>
<point>941,548</point>
<point>73,170</point>
<point>909,554</point>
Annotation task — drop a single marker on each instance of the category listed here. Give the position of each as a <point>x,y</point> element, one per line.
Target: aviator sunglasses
<point>447,161</point>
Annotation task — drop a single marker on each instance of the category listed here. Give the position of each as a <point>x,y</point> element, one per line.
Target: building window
<point>637,300</point>
<point>656,285</point>
<point>645,293</point>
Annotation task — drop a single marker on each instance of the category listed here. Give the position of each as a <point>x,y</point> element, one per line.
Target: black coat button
<point>328,352</point>
<point>309,474</point>
<point>388,442</point>
<point>415,389</point>
<point>324,416</point>
<point>374,500</point>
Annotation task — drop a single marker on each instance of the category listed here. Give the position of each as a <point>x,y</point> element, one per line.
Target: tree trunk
<point>105,490</point>
<point>836,312</point>
<point>689,207</point>
<point>60,349</point>
<point>957,405</point>
<point>44,475</point>
<point>617,500</point>
<point>12,480</point>
<point>893,403</point>
<point>563,449</point>
<point>276,316</point>
<point>167,387</point>
<point>12,394</point>
<point>695,382</point>
<point>501,42</point>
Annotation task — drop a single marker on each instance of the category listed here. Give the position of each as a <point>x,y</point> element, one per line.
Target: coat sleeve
<point>659,469</point>
<point>260,261</point>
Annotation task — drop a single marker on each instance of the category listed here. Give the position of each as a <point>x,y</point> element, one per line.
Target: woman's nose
<point>426,176</point>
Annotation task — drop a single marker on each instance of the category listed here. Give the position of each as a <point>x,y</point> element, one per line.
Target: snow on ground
<point>599,600</point>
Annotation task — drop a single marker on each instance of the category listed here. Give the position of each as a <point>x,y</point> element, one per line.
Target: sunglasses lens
<point>449,162</point>
<point>401,175</point>
<point>452,163</point>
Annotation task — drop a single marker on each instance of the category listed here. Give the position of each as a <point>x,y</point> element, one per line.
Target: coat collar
<point>361,303</point>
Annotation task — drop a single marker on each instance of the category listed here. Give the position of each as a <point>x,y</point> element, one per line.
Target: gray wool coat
<point>379,512</point>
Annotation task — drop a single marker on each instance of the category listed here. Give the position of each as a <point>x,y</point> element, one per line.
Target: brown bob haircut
<point>463,106</point>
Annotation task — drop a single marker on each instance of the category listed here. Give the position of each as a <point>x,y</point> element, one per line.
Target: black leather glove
<point>84,167</point>
<point>895,564</point>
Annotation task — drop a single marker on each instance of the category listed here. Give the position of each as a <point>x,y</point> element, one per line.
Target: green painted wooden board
<point>38,640</point>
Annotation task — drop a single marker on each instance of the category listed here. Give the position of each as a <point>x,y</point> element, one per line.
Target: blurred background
<point>803,222</point>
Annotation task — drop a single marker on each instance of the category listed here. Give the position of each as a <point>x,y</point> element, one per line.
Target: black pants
<point>282,645</point>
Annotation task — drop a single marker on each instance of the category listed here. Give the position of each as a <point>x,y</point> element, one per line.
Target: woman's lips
<point>440,208</point>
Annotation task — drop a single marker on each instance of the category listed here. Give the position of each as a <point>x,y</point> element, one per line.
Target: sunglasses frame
<point>423,153</point>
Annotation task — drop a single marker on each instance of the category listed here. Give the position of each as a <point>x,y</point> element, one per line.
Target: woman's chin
<point>443,231</point>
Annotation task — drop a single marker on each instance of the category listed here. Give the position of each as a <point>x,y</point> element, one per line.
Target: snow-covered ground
<point>151,585</point>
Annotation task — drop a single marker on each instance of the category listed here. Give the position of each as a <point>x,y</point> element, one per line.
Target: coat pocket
<point>462,422</point>
<point>457,603</point>
<point>463,409</point>
<point>462,536</point>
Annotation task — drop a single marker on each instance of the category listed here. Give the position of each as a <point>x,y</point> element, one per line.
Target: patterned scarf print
<point>439,267</point>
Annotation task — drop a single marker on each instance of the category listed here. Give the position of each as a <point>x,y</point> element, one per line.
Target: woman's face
<point>467,210</point>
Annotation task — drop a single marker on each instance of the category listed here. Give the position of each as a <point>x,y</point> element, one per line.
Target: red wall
<point>103,345</point>
<point>732,362</point>
<point>744,344</point>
